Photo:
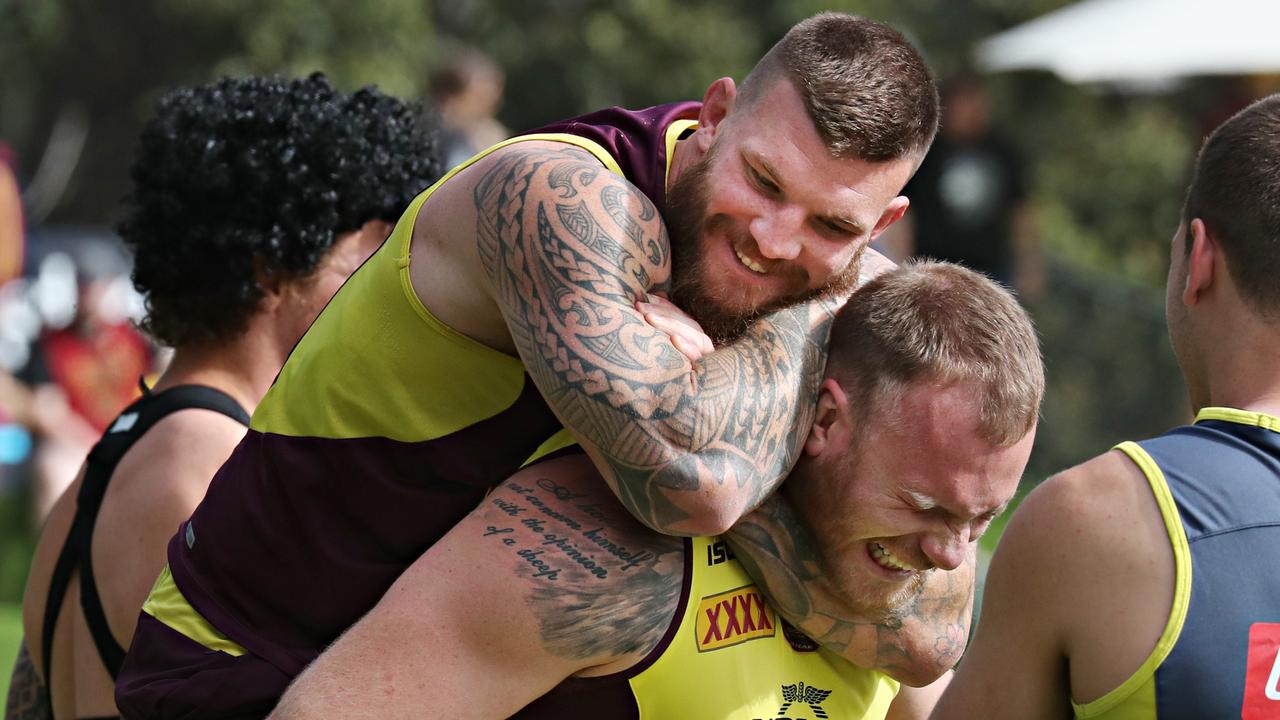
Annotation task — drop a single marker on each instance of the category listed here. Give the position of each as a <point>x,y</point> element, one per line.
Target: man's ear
<point>832,409</point>
<point>717,103</point>
<point>892,214</point>
<point>1202,263</point>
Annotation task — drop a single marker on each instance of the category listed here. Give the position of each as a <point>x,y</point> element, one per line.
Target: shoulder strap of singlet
<point>131,425</point>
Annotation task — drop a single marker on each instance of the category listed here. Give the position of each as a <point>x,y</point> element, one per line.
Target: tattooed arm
<point>548,578</point>
<point>28,698</point>
<point>916,643</point>
<point>688,447</point>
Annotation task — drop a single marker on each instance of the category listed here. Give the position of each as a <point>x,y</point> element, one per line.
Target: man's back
<point>159,479</point>
<point>1222,637</point>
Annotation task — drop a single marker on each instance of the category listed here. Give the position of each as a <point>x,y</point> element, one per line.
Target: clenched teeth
<point>887,559</point>
<point>751,264</point>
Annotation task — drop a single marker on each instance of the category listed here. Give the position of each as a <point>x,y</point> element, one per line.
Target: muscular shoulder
<point>600,584</point>
<point>156,486</point>
<point>1090,550</point>
<point>1100,506</point>
<point>581,212</point>
<point>177,456</point>
<point>527,214</point>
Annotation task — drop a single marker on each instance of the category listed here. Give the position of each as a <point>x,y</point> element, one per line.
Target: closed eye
<point>983,522</point>
<point>835,228</point>
<point>762,182</point>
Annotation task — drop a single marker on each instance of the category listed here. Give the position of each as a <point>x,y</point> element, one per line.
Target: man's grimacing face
<point>767,217</point>
<point>909,492</point>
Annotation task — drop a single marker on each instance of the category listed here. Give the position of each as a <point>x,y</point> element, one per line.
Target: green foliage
<point>17,543</point>
<point>112,60</point>
<point>573,56</point>
<point>10,639</point>
<point>384,43</point>
<point>1110,182</point>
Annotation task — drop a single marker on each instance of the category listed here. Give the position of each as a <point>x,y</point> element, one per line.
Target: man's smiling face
<point>767,217</point>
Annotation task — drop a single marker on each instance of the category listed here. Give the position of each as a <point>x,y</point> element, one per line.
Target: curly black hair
<point>260,174</point>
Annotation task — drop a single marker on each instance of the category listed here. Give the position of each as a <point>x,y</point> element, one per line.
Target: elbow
<point>683,499</point>
<point>926,661</point>
<point>713,511</point>
<point>920,676</point>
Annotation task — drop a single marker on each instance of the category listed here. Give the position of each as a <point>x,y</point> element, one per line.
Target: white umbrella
<point>1143,40</point>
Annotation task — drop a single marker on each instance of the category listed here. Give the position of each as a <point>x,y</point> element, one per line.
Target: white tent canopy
<point>1143,40</point>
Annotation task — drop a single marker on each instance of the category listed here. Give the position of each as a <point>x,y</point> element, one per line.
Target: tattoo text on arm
<point>595,590</point>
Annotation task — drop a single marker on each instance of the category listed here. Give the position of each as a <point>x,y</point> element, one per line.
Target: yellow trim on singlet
<point>1240,417</point>
<point>167,604</point>
<point>674,130</point>
<point>1140,686</point>
<point>377,363</point>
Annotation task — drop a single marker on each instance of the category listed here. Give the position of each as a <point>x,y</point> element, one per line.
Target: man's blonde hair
<point>943,324</point>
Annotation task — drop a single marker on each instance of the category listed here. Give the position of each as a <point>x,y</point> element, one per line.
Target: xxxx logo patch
<point>733,617</point>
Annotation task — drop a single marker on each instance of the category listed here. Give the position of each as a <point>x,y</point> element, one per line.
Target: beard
<point>726,311</point>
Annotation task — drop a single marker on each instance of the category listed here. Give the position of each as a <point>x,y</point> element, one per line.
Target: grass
<point>10,638</point>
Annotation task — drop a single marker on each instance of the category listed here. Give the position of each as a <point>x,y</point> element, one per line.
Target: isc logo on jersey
<point>733,617</point>
<point>1262,673</point>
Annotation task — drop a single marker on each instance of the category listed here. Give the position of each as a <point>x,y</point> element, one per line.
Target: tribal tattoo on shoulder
<point>570,248</point>
<point>600,585</point>
<point>28,697</point>
<point>925,633</point>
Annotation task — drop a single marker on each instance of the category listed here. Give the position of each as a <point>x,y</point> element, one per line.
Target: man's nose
<point>778,233</point>
<point>946,548</point>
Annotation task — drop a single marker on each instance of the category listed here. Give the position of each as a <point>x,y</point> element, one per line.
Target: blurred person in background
<point>12,228</point>
<point>15,397</point>
<point>505,320</point>
<point>81,375</point>
<point>252,201</point>
<point>466,92</point>
<point>1143,583</point>
<point>968,199</point>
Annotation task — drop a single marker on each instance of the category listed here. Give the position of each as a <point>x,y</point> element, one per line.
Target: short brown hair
<point>941,323</point>
<point>866,89</point>
<point>1236,192</point>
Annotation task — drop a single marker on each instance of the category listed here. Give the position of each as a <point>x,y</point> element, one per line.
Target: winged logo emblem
<point>807,694</point>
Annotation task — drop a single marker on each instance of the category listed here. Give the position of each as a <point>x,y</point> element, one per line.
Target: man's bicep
<point>570,249</point>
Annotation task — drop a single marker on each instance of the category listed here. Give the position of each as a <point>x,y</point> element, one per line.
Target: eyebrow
<point>925,502</point>
<point>922,501</point>
<point>850,225</point>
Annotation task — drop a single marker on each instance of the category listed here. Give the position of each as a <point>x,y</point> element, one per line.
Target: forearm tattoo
<point>28,698</point>
<point>570,248</point>
<point>924,634</point>
<point>600,585</point>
